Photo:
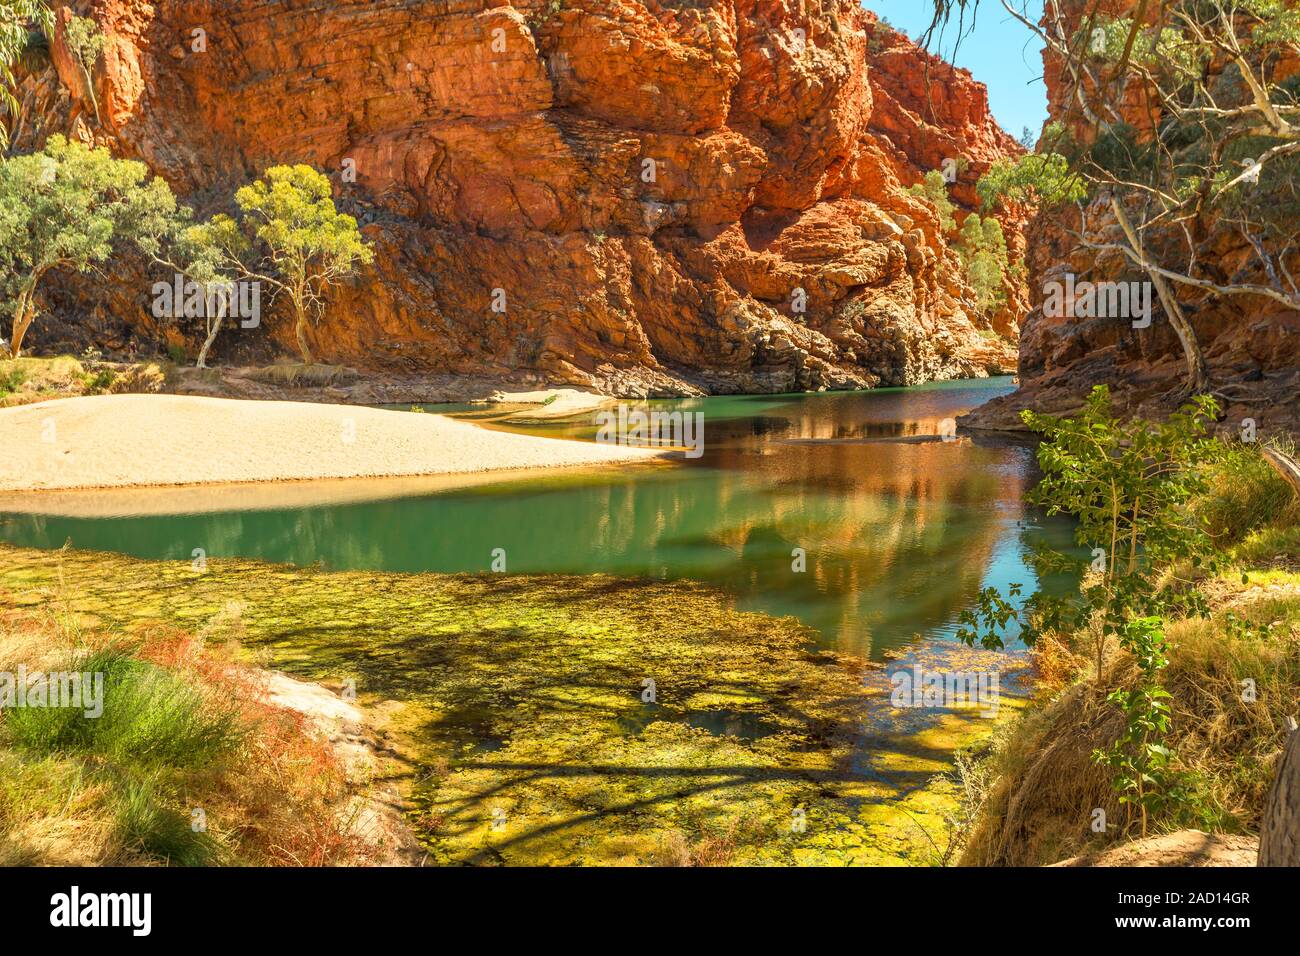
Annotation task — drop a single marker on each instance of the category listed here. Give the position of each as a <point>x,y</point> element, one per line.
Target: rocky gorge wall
<point>662,198</point>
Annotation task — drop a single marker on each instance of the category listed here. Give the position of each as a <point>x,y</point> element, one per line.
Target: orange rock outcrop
<point>656,198</point>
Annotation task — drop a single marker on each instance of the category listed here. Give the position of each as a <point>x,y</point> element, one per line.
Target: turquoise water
<point>898,530</point>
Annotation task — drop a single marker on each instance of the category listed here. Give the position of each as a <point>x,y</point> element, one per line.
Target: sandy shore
<point>123,441</point>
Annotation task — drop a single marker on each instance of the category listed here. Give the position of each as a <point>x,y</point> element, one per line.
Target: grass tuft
<point>187,765</point>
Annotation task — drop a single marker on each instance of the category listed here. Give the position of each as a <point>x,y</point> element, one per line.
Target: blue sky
<point>1001,53</point>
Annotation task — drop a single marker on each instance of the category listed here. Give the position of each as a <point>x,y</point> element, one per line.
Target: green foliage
<point>988,620</point>
<point>983,250</point>
<point>150,717</point>
<point>1129,484</point>
<point>1139,757</point>
<point>86,42</point>
<point>1272,202</point>
<point>149,825</point>
<point>289,234</point>
<point>65,208</point>
<point>1278,22</point>
<point>980,243</point>
<point>296,218</point>
<point>100,381</point>
<point>934,190</point>
<point>1165,50</point>
<point>17,18</point>
<point>1033,178</point>
<point>155,730</point>
<point>11,380</point>
<point>1117,151</point>
<point>1243,494</point>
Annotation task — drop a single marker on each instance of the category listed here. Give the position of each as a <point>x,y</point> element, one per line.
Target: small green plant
<point>11,380</point>
<point>1140,759</point>
<point>1129,485</point>
<point>100,381</point>
<point>934,190</point>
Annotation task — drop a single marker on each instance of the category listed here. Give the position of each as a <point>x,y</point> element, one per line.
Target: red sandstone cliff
<point>648,184</point>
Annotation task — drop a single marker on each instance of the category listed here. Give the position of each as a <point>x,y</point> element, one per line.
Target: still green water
<point>898,531</point>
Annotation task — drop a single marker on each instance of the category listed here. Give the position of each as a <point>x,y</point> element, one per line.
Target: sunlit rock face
<point>639,197</point>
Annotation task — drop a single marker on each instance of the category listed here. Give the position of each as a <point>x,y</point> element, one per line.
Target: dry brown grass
<point>298,375</point>
<point>1056,665</point>
<point>713,850</point>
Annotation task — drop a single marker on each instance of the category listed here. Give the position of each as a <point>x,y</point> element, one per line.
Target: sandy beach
<point>124,441</point>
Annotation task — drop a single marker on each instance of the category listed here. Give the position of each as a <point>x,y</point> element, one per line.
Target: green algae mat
<point>576,719</point>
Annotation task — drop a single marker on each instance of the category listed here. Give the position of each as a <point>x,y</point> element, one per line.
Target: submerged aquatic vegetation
<point>562,719</point>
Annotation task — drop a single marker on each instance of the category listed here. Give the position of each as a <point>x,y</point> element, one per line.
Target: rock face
<point>1251,343</point>
<point>632,196</point>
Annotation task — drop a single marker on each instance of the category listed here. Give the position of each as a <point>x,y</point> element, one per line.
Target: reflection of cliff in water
<point>899,537</point>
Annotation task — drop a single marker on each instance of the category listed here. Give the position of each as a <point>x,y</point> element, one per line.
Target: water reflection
<point>896,536</point>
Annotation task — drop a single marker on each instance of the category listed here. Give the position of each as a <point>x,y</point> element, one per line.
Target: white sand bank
<point>123,441</point>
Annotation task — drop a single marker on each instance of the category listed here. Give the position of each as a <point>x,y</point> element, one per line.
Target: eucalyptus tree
<point>69,207</point>
<point>289,235</point>
<point>1179,125</point>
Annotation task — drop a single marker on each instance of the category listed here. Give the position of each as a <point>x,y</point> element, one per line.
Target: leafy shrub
<point>1034,178</point>
<point>983,249</point>
<point>934,190</point>
<point>1129,484</point>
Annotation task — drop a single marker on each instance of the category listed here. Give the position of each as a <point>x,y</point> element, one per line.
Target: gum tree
<point>289,235</point>
<point>192,250</point>
<point>68,207</point>
<point>86,42</point>
<point>1180,126</point>
<point>979,243</point>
